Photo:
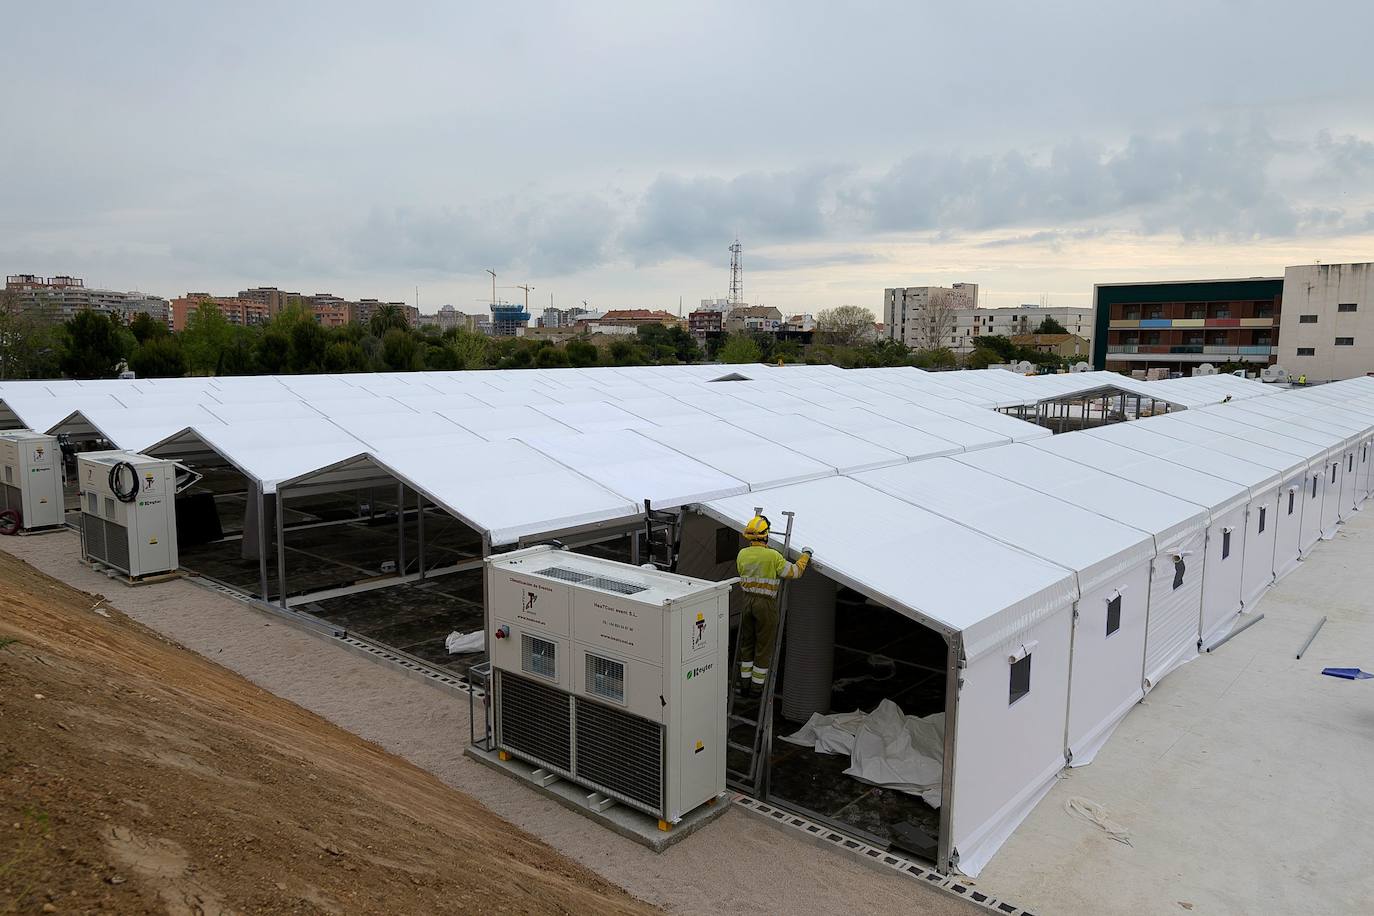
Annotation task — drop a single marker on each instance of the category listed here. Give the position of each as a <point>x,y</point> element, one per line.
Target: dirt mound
<point>136,776</point>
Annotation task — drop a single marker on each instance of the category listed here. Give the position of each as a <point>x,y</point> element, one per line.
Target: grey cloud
<point>689,216</point>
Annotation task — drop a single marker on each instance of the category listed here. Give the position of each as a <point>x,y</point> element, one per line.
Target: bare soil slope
<point>136,776</point>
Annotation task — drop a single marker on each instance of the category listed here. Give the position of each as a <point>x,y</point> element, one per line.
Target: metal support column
<point>420,529</point>
<point>281,546</point>
<point>400,529</point>
<point>262,540</point>
<point>947,856</point>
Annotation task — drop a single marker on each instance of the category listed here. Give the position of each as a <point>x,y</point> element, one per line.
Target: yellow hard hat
<point>757,529</point>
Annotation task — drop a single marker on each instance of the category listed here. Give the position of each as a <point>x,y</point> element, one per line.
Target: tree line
<point>98,345</point>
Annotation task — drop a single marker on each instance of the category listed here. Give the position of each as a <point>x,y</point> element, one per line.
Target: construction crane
<point>526,287</point>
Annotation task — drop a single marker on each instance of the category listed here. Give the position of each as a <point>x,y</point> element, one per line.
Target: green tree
<point>96,345</point>
<point>582,353</point>
<point>344,356</point>
<point>386,318</point>
<point>664,343</point>
<point>308,344</point>
<point>273,351</point>
<point>739,348</point>
<point>939,358</point>
<point>400,351</point>
<point>551,358</point>
<point>30,345</point>
<point>625,352</point>
<point>470,347</point>
<point>1050,326</point>
<point>145,327</point>
<point>208,334</point>
<point>158,357</point>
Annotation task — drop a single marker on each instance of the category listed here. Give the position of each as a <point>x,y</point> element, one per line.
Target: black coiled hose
<point>124,496</point>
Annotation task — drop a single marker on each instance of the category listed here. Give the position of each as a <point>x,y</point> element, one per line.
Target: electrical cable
<point>124,496</point>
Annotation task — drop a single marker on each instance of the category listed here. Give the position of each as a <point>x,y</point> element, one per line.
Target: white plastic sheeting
<point>885,748</point>
<point>742,455</point>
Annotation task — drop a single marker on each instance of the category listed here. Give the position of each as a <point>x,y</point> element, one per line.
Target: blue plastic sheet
<point>1350,674</point>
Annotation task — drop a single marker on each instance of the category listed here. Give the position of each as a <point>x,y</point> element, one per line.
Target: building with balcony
<point>62,298</point>
<point>236,311</point>
<point>705,321</point>
<point>1328,321</point>
<point>753,319</point>
<point>1178,325</point>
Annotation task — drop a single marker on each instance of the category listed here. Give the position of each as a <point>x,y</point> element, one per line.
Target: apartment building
<point>762,319</point>
<point>919,316</point>
<point>62,297</point>
<point>1327,326</point>
<point>1180,325</point>
<point>239,312</point>
<point>967,325</point>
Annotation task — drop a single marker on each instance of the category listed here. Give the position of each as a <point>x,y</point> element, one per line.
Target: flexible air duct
<point>810,660</point>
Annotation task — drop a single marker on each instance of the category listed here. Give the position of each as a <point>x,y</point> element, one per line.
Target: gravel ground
<point>738,865</point>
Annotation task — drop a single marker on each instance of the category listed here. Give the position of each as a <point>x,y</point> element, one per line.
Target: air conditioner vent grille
<point>538,656</point>
<point>535,722</point>
<point>621,754</point>
<point>605,678</point>
<point>605,583</point>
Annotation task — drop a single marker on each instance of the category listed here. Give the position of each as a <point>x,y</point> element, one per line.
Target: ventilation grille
<point>538,656</point>
<point>605,678</point>
<point>534,721</point>
<point>93,530</point>
<point>620,754</point>
<point>117,546</point>
<point>10,497</point>
<point>9,473</point>
<point>604,583</point>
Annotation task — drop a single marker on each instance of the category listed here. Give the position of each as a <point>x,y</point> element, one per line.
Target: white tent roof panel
<point>1096,548</point>
<point>746,457</point>
<point>923,565</point>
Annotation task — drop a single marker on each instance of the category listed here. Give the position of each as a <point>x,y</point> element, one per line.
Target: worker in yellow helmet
<point>761,571</point>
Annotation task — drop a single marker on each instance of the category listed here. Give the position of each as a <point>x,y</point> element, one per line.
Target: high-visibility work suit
<point>761,571</point>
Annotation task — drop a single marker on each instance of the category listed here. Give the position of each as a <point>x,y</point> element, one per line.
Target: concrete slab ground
<point>1245,779</point>
<point>737,865</point>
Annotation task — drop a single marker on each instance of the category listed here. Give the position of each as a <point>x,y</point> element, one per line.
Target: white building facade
<point>1326,329</point>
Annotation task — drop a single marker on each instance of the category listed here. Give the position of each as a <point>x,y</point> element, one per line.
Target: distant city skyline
<point>602,152</point>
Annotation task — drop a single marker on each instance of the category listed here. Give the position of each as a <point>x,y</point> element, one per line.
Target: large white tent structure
<point>1095,560</point>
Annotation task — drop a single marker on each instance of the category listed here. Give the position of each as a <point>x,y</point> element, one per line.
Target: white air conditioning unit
<point>1273,374</point>
<point>612,676</point>
<point>1080,367</point>
<point>31,478</point>
<point>128,511</point>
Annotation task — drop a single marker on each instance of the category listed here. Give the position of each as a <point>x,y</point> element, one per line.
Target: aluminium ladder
<point>754,779</point>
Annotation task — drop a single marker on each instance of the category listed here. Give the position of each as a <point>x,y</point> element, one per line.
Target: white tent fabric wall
<point>1179,530</point>
<point>1262,521</point>
<point>935,572</point>
<point>1317,519</point>
<point>1295,534</point>
<point>1110,561</point>
<point>1225,502</point>
<point>1356,434</point>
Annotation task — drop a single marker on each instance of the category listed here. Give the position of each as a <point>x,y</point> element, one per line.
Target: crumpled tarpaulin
<point>458,643</point>
<point>885,747</point>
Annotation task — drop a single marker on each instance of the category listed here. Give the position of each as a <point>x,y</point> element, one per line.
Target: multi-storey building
<point>761,319</point>
<point>920,316</point>
<point>1180,325</point>
<point>967,325</point>
<point>1328,321</point>
<point>706,320</point>
<point>241,312</point>
<point>61,298</point>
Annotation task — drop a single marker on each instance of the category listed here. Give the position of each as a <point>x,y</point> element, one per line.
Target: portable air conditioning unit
<point>128,512</point>
<point>31,478</point>
<point>612,676</point>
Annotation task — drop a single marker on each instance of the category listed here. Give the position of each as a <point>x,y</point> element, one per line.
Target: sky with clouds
<point>611,151</point>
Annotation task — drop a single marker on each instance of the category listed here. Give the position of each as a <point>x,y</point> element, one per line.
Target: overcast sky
<point>611,151</point>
